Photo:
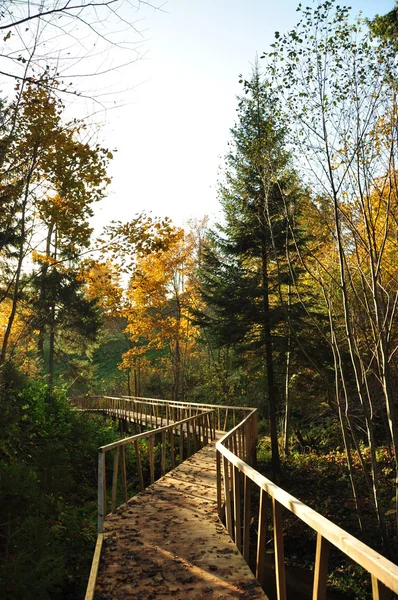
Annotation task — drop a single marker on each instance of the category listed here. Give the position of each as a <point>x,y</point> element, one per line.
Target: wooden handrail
<point>200,425</point>
<point>237,475</point>
<point>383,572</point>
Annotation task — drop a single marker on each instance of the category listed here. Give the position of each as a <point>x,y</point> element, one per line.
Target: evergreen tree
<point>244,271</point>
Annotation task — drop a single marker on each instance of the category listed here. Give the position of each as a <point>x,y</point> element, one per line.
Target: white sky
<point>173,133</point>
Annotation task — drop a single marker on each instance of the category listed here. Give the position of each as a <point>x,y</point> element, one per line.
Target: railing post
<point>151,459</point>
<point>172,454</point>
<point>101,491</point>
<point>237,520</point>
<point>163,458</point>
<point>262,522</point>
<point>124,475</point>
<point>181,443</point>
<point>139,467</point>
<point>227,497</point>
<point>218,471</point>
<point>188,423</point>
<point>246,516</point>
<point>115,477</point>
<point>321,568</point>
<point>279,551</point>
<point>379,591</point>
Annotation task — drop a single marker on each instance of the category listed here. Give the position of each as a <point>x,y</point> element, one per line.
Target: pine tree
<point>244,269</point>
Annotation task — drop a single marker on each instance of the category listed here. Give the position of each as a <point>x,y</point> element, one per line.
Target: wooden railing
<point>192,434</point>
<point>238,480</point>
<point>151,412</point>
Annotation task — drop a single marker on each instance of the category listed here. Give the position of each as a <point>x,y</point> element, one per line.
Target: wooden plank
<point>139,465</point>
<point>262,521</point>
<point>279,551</point>
<point>115,478</point>
<point>246,517</point>
<point>168,542</point>
<point>237,509</point>
<point>94,568</point>
<point>321,568</point>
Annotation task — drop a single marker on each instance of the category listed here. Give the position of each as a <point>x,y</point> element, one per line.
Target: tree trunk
<point>287,386</point>
<point>272,397</point>
<point>21,256</point>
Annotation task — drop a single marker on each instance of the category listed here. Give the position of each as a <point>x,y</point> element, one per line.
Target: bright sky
<point>172,137</point>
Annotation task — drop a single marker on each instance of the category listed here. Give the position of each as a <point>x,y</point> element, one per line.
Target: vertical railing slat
<point>218,476</point>
<point>321,568</point>
<point>151,459</point>
<point>246,517</point>
<point>124,474</point>
<point>379,591</point>
<point>227,497</point>
<point>101,491</point>
<point>279,551</point>
<point>237,519</point>
<point>262,530</point>
<point>115,477</point>
<point>139,466</point>
<point>163,457</point>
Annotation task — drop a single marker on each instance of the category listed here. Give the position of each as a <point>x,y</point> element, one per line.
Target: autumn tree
<point>338,90</point>
<point>51,179</point>
<point>159,295</point>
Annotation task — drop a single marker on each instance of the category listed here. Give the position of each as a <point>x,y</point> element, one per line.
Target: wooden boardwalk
<point>168,542</point>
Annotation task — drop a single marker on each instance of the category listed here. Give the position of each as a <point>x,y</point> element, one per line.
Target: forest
<point>288,304</point>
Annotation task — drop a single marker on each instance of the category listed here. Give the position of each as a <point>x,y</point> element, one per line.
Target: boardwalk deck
<point>167,542</point>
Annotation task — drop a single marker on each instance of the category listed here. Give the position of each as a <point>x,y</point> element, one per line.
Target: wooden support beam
<point>124,474</point>
<point>227,497</point>
<point>321,568</point>
<point>262,522</point>
<point>151,459</point>
<point>101,491</point>
<point>163,456</point>
<point>115,478</point>
<point>237,507</point>
<point>218,478</point>
<point>379,591</point>
<point>172,453</point>
<point>246,517</point>
<point>279,551</point>
<point>139,466</point>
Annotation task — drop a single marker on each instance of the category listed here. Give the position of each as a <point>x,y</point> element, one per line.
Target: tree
<point>159,296</point>
<point>385,26</point>
<point>51,179</point>
<point>338,90</point>
<point>245,273</point>
<point>39,40</point>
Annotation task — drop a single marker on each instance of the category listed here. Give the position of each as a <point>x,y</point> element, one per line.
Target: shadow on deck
<point>168,542</point>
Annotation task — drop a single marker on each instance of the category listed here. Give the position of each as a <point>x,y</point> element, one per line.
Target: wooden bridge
<point>194,468</point>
